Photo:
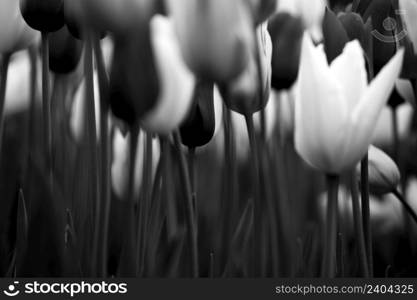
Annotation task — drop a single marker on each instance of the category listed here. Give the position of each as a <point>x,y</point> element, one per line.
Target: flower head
<point>336,110</point>
<point>14,33</point>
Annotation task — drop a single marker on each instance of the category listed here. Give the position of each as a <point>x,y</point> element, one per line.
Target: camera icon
<point>12,290</point>
<point>391,25</point>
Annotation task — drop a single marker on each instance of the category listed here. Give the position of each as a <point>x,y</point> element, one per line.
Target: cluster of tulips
<point>208,138</point>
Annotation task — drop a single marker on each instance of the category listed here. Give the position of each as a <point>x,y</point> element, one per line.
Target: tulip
<point>14,33</point>
<point>249,93</point>
<point>134,85</point>
<point>334,36</point>
<point>384,175</point>
<point>176,80</point>
<point>65,52</point>
<point>45,15</point>
<point>410,19</point>
<point>215,36</point>
<point>384,37</point>
<point>336,110</point>
<point>119,16</point>
<point>310,11</point>
<point>286,34</point>
<point>357,29</point>
<point>198,129</point>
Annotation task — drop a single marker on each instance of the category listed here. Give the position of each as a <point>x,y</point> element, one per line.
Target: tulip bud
<point>14,33</point>
<point>243,95</point>
<point>385,25</point>
<point>336,110</point>
<point>286,34</point>
<point>45,15</point>
<point>410,19</point>
<point>262,9</point>
<point>215,36</point>
<point>133,78</point>
<point>335,36</point>
<point>356,29</point>
<point>74,17</point>
<point>310,11</point>
<point>65,51</point>
<point>176,80</point>
<point>119,16</point>
<point>384,175</point>
<point>198,129</point>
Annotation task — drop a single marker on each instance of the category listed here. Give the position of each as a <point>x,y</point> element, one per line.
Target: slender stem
<point>211,269</point>
<point>366,212</point>
<point>229,202</point>
<point>193,176</point>
<point>329,253</point>
<point>105,153</point>
<point>256,195</point>
<point>92,143</point>
<point>407,206</point>
<point>129,247</point>
<point>146,199</point>
<point>46,107</point>
<point>3,84</point>
<point>357,219</point>
<point>395,135</point>
<point>192,230</point>
<point>167,189</point>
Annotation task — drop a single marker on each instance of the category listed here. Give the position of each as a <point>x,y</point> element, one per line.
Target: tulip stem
<point>105,153</point>
<point>396,139</point>
<point>46,107</point>
<point>407,206</point>
<point>366,212</point>
<point>229,202</point>
<point>146,188</point>
<point>329,253</point>
<point>5,62</point>
<point>255,176</point>
<point>193,176</point>
<point>192,226</point>
<point>357,219</point>
<point>92,144</point>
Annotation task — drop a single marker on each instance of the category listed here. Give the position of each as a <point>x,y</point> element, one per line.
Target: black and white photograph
<point>246,147</point>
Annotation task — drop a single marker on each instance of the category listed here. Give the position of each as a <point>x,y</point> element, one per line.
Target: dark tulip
<point>249,93</point>
<point>385,25</point>
<point>43,15</point>
<point>356,29</point>
<point>395,99</point>
<point>334,35</point>
<point>286,34</point>
<point>198,129</point>
<point>410,60</point>
<point>134,83</point>
<point>64,51</point>
<point>74,17</point>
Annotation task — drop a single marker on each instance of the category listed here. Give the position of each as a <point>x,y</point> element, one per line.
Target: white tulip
<point>336,111</point>
<point>176,80</point>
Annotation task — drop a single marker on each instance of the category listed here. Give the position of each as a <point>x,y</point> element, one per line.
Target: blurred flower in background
<point>336,111</point>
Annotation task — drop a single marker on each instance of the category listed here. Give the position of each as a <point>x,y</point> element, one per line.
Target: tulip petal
<point>320,111</point>
<point>410,18</point>
<point>405,89</point>
<point>349,70</point>
<point>366,113</point>
<point>177,81</point>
